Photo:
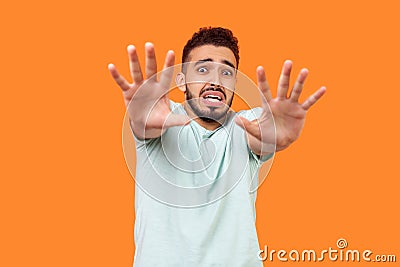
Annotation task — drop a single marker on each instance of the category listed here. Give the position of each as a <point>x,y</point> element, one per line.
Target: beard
<point>207,114</point>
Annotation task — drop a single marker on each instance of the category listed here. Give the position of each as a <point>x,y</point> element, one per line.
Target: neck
<point>211,126</point>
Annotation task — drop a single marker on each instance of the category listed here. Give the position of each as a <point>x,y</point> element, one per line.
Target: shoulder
<point>176,108</point>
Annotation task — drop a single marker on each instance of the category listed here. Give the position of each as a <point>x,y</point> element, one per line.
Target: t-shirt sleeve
<point>143,143</point>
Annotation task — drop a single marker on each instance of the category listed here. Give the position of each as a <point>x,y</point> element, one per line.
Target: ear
<point>181,81</point>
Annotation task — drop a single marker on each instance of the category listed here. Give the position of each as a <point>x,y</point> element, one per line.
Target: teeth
<point>213,97</point>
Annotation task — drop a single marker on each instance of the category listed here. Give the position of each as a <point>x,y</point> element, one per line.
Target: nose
<point>216,80</point>
<point>215,85</point>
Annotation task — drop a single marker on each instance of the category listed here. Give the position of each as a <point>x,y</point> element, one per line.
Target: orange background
<point>67,198</point>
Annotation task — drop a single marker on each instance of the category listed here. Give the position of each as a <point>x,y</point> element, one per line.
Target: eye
<point>202,69</point>
<point>227,73</point>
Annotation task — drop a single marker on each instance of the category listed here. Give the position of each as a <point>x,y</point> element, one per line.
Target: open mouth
<point>213,97</point>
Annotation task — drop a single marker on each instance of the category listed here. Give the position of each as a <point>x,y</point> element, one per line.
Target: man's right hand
<point>147,99</point>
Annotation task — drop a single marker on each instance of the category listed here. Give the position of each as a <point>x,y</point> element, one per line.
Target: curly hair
<point>216,36</point>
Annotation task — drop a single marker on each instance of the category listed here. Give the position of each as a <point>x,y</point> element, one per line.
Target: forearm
<point>142,132</point>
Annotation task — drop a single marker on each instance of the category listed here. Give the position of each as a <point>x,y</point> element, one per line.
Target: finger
<point>251,127</point>
<point>151,63</point>
<point>134,65</point>
<point>314,98</point>
<point>118,78</point>
<point>168,70</point>
<point>176,120</point>
<point>298,86</point>
<point>283,84</point>
<point>263,85</point>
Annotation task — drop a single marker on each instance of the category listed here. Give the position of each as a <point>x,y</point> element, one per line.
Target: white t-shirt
<point>193,202</point>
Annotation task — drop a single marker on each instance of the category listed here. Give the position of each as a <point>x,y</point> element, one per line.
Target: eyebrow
<point>226,62</point>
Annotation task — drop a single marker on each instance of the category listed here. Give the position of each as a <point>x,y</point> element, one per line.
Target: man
<point>197,160</point>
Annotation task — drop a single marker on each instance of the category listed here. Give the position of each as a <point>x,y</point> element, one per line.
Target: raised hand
<point>147,99</point>
<point>288,114</point>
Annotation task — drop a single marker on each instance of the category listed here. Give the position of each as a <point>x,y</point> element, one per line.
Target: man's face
<point>210,81</point>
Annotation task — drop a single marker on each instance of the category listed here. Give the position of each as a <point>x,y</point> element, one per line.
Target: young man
<point>197,160</point>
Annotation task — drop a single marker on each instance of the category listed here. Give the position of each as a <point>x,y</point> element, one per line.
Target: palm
<point>147,100</point>
<point>283,117</point>
<point>289,120</point>
<point>150,100</point>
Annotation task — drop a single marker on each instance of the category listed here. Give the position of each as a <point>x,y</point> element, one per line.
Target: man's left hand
<point>288,114</point>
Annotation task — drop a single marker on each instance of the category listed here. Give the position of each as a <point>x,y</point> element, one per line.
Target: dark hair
<point>216,36</point>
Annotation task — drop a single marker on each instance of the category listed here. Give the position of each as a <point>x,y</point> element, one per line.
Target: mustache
<point>212,88</point>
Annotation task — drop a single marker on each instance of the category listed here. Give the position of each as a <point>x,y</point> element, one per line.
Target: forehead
<point>218,54</point>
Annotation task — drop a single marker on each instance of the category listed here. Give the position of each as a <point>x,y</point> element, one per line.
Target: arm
<point>147,99</point>
<point>283,117</point>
